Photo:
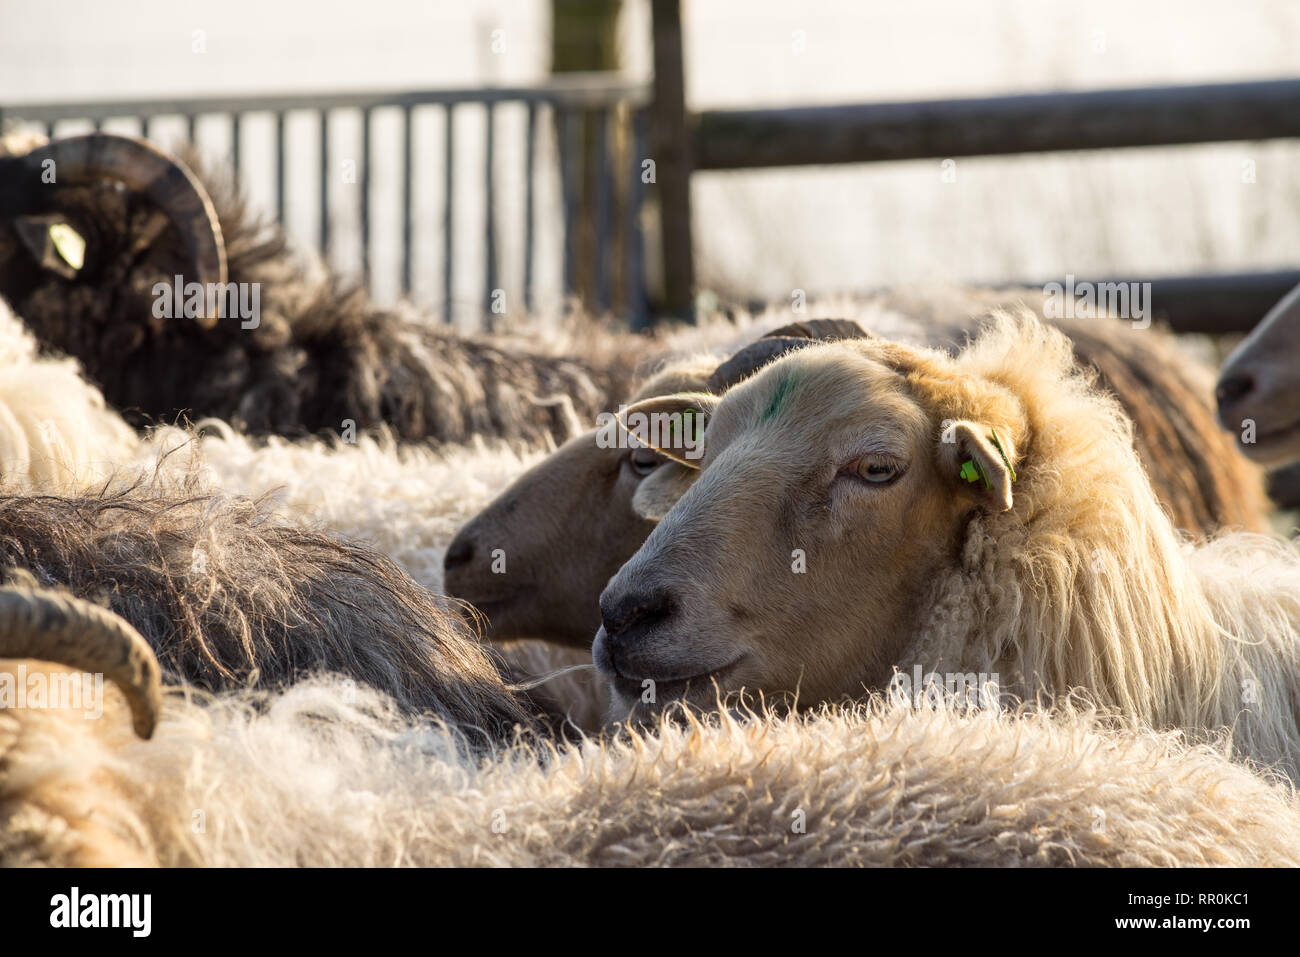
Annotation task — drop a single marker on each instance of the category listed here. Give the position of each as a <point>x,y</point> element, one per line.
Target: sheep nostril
<point>634,613</point>
<point>1234,388</point>
<point>459,553</point>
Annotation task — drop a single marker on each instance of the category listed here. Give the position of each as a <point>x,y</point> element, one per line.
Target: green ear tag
<point>971,472</point>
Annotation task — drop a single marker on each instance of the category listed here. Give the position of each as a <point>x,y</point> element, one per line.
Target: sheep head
<point>833,486</point>
<point>1259,387</point>
<point>535,560</point>
<point>141,214</point>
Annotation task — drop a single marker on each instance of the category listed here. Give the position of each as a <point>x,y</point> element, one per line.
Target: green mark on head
<point>784,389</point>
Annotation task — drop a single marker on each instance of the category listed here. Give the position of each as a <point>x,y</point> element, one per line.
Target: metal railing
<point>617,104</point>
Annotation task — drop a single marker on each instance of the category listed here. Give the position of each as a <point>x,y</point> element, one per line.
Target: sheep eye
<point>644,460</point>
<point>877,471</point>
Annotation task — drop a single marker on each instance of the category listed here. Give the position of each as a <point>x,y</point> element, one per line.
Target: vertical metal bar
<point>407,151</point>
<point>97,124</point>
<point>602,262</point>
<point>236,146</point>
<point>448,222</point>
<point>325,184</point>
<point>365,194</point>
<point>192,128</point>
<point>279,167</point>
<point>530,152</point>
<point>146,123</point>
<point>489,212</point>
<point>635,242</point>
<point>569,157</point>
<point>49,130</point>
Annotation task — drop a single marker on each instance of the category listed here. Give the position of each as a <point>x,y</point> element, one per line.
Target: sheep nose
<point>628,617</point>
<point>460,552</point>
<point>1233,388</point>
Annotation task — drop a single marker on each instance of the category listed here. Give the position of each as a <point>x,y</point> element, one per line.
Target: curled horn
<point>776,343</point>
<point>70,631</point>
<point>138,165</point>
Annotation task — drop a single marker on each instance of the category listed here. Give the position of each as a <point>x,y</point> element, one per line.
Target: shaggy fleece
<point>55,430</point>
<point>324,775</point>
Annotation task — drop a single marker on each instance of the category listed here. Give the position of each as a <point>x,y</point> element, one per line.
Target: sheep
<point>312,777</point>
<point>586,501</point>
<point>317,356</point>
<point>866,510</point>
<point>1259,387</point>
<point>228,596</point>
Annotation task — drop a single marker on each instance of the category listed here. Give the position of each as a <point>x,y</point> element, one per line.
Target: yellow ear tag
<point>69,244</point>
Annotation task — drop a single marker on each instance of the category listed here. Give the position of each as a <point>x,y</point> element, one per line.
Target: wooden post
<point>584,37</point>
<point>671,152</point>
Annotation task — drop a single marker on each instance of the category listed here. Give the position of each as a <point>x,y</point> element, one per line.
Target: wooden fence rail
<point>992,126</point>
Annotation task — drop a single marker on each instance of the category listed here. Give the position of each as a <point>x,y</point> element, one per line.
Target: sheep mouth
<point>671,687</point>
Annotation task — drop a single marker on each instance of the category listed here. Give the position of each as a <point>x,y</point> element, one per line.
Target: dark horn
<point>776,343</point>
<point>138,165</point>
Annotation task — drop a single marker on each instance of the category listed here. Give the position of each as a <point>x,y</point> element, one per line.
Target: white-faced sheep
<point>313,776</point>
<point>534,561</point>
<point>865,506</point>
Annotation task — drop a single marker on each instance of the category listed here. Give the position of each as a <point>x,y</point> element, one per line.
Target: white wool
<point>407,501</point>
<point>276,785</point>
<point>55,430</point>
<point>328,775</point>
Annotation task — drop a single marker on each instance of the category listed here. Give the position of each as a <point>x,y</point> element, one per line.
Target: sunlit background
<point>757,234</point>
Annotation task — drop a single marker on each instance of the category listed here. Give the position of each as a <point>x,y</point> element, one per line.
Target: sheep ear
<point>671,424</point>
<point>660,490</point>
<point>979,460</point>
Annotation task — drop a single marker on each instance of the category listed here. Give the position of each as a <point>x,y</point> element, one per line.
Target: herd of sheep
<point>370,592</point>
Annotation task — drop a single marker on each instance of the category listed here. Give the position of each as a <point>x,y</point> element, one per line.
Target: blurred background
<point>541,197</point>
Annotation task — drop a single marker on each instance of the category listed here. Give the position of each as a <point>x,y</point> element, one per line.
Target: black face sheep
<point>306,355</point>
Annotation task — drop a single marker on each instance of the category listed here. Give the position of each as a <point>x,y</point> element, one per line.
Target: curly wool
<point>1085,583</point>
<point>315,777</point>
